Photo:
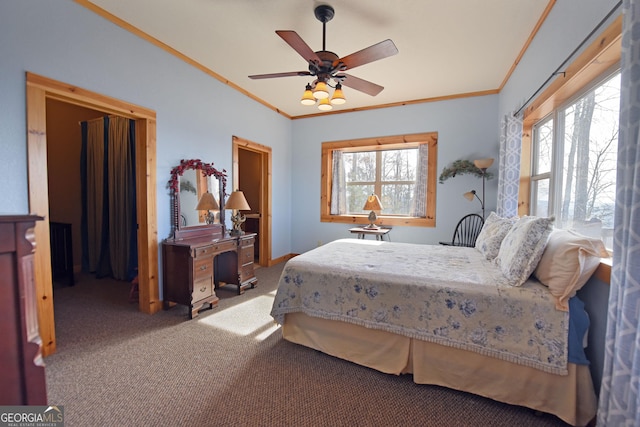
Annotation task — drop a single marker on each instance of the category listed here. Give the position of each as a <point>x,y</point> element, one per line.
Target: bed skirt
<point>570,397</point>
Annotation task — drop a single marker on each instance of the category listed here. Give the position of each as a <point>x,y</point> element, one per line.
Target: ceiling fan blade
<point>361,84</point>
<point>369,54</point>
<point>295,41</point>
<point>272,75</point>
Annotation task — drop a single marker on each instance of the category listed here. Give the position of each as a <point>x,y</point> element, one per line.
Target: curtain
<point>109,223</point>
<point>419,206</point>
<point>619,403</point>
<point>338,186</point>
<point>509,166</point>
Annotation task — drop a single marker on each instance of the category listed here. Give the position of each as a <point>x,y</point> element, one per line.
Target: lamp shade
<point>307,96</point>
<point>324,104</point>
<point>321,92</point>
<point>372,204</point>
<point>207,202</point>
<point>237,201</point>
<point>338,96</point>
<point>483,163</point>
<point>469,195</point>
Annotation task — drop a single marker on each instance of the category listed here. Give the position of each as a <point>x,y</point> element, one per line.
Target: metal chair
<point>466,231</point>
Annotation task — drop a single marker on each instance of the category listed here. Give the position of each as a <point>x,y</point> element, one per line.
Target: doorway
<point>252,175</point>
<point>39,89</point>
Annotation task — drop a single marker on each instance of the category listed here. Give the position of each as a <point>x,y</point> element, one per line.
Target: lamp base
<point>371,227</point>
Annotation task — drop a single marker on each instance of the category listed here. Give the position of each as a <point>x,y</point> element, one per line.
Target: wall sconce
<point>373,204</point>
<point>208,203</point>
<point>237,202</point>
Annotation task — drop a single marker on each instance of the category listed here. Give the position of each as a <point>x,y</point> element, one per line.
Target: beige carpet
<point>229,367</point>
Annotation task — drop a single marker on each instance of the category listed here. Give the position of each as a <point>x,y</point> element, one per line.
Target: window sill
<point>603,272</point>
<point>382,220</point>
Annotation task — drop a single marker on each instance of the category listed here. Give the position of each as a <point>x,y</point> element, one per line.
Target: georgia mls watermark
<point>32,416</point>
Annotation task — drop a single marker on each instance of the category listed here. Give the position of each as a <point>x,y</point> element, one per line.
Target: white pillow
<point>522,248</point>
<point>567,263</point>
<point>493,231</point>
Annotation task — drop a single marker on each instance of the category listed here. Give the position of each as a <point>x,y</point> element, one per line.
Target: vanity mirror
<point>189,182</point>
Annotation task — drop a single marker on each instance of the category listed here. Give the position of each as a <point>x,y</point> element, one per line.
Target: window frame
<point>380,144</point>
<point>601,57</point>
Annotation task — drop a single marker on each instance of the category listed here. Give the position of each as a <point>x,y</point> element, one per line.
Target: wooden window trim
<point>598,58</point>
<point>385,143</point>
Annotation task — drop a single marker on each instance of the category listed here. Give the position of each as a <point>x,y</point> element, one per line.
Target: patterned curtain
<point>509,166</point>
<point>338,186</point>
<point>419,207</point>
<point>620,393</point>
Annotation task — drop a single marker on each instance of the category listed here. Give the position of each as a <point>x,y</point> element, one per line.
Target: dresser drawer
<point>202,288</point>
<point>246,255</point>
<point>215,248</point>
<point>246,273</point>
<point>246,241</point>
<point>202,268</point>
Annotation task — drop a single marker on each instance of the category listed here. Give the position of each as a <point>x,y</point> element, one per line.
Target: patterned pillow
<point>567,263</point>
<point>492,234</point>
<point>522,248</point>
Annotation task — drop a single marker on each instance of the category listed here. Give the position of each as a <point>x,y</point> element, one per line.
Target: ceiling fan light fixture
<point>324,105</point>
<point>320,91</point>
<point>307,96</point>
<point>338,96</point>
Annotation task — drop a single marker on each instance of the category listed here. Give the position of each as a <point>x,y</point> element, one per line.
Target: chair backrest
<point>467,230</point>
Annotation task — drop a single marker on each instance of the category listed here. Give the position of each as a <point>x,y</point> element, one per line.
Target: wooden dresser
<point>194,265</point>
<point>22,374</point>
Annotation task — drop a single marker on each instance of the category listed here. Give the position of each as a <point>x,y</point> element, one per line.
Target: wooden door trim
<point>264,229</point>
<point>38,89</point>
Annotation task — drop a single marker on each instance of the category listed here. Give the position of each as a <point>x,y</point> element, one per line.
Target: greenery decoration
<point>462,167</point>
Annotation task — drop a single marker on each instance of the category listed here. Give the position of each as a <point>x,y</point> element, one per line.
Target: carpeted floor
<point>229,367</point>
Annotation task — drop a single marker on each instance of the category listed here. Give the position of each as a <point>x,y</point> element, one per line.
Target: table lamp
<point>237,202</point>
<point>373,204</point>
<point>208,203</point>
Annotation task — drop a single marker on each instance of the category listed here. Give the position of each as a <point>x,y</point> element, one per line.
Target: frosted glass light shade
<point>324,104</point>
<point>320,91</point>
<point>338,96</point>
<point>307,96</point>
<point>483,163</point>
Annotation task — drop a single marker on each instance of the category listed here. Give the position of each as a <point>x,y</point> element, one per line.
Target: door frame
<point>38,89</point>
<point>264,227</point>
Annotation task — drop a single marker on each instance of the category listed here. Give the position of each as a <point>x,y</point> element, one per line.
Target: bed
<point>444,314</point>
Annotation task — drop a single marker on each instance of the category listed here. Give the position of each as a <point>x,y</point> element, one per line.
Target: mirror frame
<point>207,170</point>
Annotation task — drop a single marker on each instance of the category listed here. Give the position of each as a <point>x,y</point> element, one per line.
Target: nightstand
<point>378,232</point>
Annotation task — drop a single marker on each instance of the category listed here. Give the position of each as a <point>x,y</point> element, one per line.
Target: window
<point>574,155</point>
<point>401,170</point>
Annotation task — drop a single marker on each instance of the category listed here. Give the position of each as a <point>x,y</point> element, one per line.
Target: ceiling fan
<point>326,66</point>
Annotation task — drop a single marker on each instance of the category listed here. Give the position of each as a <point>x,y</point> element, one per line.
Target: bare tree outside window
<point>584,145</point>
<point>391,174</point>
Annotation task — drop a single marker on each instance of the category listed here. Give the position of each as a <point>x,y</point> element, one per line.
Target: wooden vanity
<point>195,266</point>
<point>201,255</point>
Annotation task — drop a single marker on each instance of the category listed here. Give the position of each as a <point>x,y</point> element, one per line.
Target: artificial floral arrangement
<point>462,167</point>
<point>206,168</point>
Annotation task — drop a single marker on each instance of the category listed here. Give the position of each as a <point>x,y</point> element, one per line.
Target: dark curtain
<point>108,186</point>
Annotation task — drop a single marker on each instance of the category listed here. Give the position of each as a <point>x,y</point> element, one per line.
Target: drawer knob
<point>202,289</point>
<point>204,267</point>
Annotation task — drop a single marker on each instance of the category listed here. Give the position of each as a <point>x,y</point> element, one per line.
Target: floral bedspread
<point>442,294</point>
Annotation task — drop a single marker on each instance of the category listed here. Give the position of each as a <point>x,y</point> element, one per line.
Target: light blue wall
<point>196,114</point>
<point>569,22</point>
<point>467,128</point>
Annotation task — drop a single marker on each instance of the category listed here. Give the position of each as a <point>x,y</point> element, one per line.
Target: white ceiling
<point>445,47</point>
